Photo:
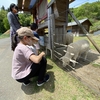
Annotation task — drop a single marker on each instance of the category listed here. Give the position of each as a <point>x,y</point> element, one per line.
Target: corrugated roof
<point>74,23</point>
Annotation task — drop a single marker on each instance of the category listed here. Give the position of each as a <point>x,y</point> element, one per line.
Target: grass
<point>96,65</point>
<point>4,35</point>
<point>60,87</point>
<point>96,38</point>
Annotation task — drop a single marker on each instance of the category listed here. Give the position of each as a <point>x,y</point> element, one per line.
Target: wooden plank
<point>57,57</point>
<point>55,35</point>
<point>60,44</point>
<point>64,37</point>
<point>19,3</point>
<point>26,4</point>
<point>67,7</point>
<point>61,19</point>
<point>57,23</point>
<point>62,6</point>
<point>49,28</point>
<point>43,25</point>
<point>57,52</point>
<point>60,34</point>
<point>55,10</point>
<point>52,21</point>
<point>26,9</point>
<point>51,2</point>
<point>70,1</point>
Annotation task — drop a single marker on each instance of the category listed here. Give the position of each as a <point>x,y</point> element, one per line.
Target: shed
<point>51,15</point>
<point>76,30</point>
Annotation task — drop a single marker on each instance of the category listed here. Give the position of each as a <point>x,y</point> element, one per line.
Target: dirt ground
<point>87,73</point>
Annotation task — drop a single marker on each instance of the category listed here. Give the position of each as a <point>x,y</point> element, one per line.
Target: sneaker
<point>46,79</point>
<point>26,83</point>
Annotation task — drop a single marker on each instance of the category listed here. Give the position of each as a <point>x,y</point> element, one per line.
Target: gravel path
<point>9,88</point>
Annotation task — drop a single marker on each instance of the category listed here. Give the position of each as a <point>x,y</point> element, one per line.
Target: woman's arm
<point>37,59</point>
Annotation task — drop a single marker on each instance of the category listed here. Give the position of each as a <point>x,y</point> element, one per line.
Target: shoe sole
<point>40,84</point>
<point>26,84</point>
<point>43,83</point>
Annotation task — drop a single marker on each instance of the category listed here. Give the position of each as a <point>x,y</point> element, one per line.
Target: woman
<point>25,63</point>
<point>13,22</point>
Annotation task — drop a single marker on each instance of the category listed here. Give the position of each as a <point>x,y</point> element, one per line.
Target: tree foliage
<point>24,18</point>
<point>2,8</point>
<point>90,11</point>
<point>3,14</point>
<point>87,10</point>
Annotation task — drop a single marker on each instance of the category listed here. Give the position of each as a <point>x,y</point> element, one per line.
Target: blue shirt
<point>36,34</point>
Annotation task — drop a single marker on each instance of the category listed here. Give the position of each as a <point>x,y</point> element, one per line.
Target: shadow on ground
<point>48,86</point>
<point>92,56</point>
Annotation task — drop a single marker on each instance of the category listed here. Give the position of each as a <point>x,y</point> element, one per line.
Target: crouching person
<point>25,64</point>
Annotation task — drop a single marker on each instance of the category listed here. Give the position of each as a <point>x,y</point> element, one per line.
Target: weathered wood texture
<point>61,7</point>
<point>26,4</point>
<point>19,2</point>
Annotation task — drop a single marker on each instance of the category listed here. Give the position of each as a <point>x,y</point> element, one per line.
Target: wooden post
<point>84,30</point>
<point>49,30</point>
<point>52,32</point>
<point>49,45</point>
<point>67,7</point>
<point>64,35</point>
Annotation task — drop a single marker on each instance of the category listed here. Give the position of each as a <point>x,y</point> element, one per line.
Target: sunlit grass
<point>4,35</point>
<point>61,86</point>
<point>96,65</point>
<point>96,38</point>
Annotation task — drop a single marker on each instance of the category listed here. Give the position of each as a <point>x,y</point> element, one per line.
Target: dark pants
<point>37,70</point>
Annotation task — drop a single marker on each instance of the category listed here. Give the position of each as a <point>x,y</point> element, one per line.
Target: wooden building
<point>51,15</point>
<point>76,30</point>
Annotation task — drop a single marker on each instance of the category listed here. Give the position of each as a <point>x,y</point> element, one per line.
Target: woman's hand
<point>37,58</point>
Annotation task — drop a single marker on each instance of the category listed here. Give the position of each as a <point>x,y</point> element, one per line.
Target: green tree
<point>6,23</point>
<point>2,8</point>
<point>90,11</point>
<point>3,14</point>
<point>25,19</point>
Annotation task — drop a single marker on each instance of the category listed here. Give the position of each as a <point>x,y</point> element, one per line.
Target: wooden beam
<point>60,44</point>
<point>67,7</point>
<point>26,4</point>
<point>43,25</point>
<point>51,2</point>
<point>57,23</point>
<point>85,31</point>
<point>25,9</point>
<point>58,53</point>
<point>70,1</point>
<point>52,27</point>
<point>19,3</point>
